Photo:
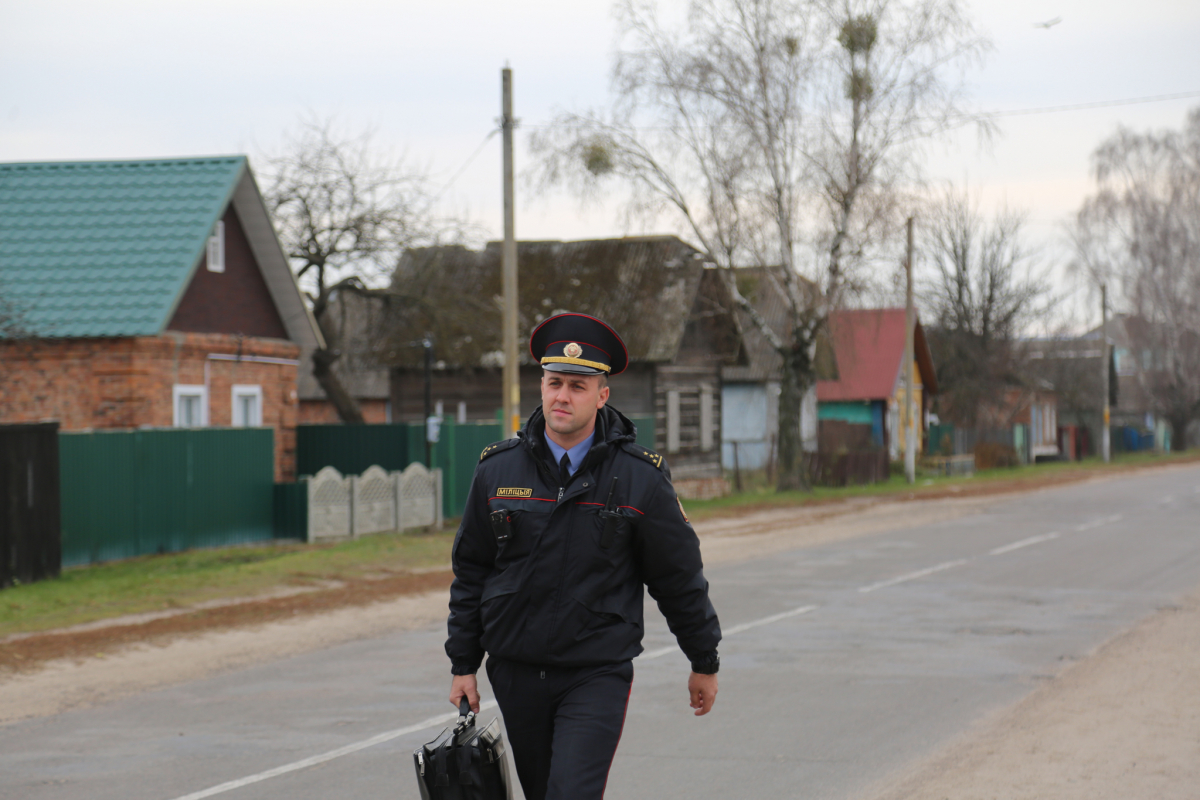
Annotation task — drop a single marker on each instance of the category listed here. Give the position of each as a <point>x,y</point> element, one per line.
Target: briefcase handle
<point>465,715</point>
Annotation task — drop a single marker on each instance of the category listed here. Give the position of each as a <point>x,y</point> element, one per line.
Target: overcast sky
<point>124,79</point>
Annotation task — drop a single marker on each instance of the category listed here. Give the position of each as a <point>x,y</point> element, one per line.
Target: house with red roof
<point>869,391</point>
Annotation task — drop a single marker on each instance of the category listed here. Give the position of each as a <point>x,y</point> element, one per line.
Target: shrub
<point>989,455</point>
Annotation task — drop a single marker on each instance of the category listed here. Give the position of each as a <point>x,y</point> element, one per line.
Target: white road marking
<point>745,626</point>
<point>659,653</point>
<point>736,629</point>
<point>1096,523</point>
<point>229,786</point>
<point>912,576</point>
<point>1032,540</point>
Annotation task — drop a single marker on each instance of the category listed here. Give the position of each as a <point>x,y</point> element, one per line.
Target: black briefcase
<point>464,762</point>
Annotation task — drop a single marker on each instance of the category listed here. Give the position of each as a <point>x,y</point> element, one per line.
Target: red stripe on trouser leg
<point>624,716</point>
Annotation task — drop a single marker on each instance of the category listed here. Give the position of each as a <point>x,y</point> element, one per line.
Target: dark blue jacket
<point>542,584</point>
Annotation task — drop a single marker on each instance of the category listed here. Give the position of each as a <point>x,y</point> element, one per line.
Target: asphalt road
<point>842,664</point>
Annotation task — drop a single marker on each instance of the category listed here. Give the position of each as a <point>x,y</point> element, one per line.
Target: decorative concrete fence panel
<point>340,506</point>
<point>374,502</point>
<point>329,503</point>
<point>418,497</point>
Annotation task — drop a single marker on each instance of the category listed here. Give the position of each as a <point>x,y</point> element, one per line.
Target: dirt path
<point>1121,724</point>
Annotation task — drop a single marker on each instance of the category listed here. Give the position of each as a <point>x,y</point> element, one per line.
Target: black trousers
<point>563,724</point>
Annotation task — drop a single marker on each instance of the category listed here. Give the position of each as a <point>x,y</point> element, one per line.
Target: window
<point>1126,362</point>
<point>216,248</point>
<point>247,406</point>
<point>191,406</point>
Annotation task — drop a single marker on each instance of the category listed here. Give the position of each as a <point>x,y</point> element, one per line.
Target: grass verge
<point>760,496</point>
<point>382,565</point>
<point>181,580</point>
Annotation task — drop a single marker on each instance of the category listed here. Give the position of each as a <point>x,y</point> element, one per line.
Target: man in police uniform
<point>563,526</point>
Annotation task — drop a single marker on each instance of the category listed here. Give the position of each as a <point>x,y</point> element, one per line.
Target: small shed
<point>869,390</point>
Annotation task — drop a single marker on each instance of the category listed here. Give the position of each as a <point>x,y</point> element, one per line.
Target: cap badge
<point>572,350</point>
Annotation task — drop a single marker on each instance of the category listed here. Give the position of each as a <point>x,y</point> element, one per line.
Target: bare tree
<point>759,118</point>
<point>985,286</point>
<point>345,215</point>
<point>892,83</point>
<point>1140,232</point>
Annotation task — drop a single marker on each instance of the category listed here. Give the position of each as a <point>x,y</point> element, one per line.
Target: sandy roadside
<point>65,684</point>
<point>1121,724</point>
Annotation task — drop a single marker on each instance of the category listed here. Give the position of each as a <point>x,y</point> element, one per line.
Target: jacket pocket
<point>613,622</point>
<point>500,611</point>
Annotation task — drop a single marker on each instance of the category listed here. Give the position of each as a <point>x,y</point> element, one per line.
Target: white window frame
<point>189,390</point>
<point>239,391</point>
<point>706,418</point>
<point>216,248</point>
<point>673,414</point>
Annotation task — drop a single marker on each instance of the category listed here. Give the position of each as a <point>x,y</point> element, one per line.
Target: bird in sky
<point>1050,23</point>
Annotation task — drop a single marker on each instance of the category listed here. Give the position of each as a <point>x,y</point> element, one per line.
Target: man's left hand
<point>703,690</point>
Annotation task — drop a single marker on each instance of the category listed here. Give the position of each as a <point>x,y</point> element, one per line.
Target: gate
<point>30,526</point>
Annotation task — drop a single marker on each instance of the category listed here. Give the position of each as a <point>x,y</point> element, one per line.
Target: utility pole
<point>1105,359</point>
<point>910,382</point>
<point>511,388</point>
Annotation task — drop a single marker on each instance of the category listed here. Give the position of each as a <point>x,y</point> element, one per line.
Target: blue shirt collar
<point>576,453</point>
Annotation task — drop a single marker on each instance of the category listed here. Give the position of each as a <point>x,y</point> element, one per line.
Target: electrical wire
<point>1015,112</point>
<point>467,163</point>
<point>1130,101</point>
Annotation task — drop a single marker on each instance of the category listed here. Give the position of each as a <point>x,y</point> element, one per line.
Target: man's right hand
<point>465,685</point>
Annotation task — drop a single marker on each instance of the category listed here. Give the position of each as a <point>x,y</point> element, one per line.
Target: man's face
<point>570,401</point>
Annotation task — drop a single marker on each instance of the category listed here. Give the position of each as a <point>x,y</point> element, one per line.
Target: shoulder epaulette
<point>496,447</point>
<point>644,452</point>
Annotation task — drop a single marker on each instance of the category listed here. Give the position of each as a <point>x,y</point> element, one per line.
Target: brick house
<point>147,294</point>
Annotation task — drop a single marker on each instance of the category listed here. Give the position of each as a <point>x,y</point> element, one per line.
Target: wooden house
<point>750,389</point>
<point>356,320</point>
<point>671,311</point>
<point>147,294</point>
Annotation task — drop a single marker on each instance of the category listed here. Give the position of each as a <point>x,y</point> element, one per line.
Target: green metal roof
<point>106,248</point>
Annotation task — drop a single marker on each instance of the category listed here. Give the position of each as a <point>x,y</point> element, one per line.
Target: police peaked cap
<point>578,343</point>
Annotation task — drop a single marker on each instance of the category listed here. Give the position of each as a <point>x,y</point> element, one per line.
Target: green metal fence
<point>128,493</point>
<point>291,511</point>
<point>350,449</point>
